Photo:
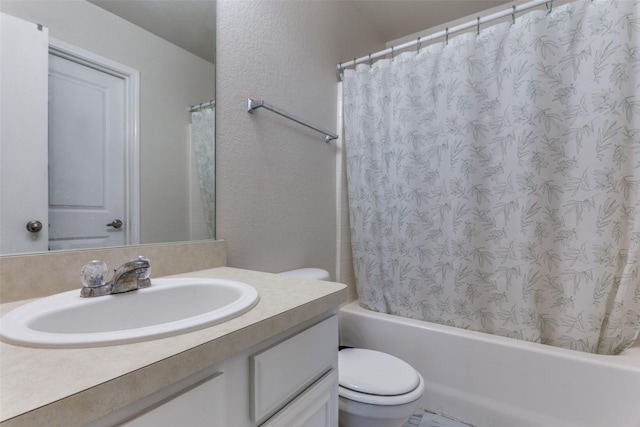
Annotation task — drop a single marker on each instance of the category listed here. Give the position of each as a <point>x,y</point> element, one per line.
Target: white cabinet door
<point>283,371</point>
<point>316,407</point>
<point>198,401</point>
<point>200,406</point>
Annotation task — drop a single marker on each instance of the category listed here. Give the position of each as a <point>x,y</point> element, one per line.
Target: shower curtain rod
<point>202,105</point>
<point>447,32</point>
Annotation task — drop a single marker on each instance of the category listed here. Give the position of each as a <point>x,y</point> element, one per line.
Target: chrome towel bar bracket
<point>253,104</point>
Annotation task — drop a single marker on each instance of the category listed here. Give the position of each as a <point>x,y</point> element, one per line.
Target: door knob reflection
<point>34,226</point>
<point>116,223</point>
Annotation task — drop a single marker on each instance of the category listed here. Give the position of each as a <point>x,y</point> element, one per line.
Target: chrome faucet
<point>130,276</point>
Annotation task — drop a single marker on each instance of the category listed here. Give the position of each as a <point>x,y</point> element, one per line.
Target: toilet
<point>375,389</point>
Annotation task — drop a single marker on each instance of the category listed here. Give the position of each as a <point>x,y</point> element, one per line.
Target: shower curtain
<point>494,180</point>
<point>203,134</point>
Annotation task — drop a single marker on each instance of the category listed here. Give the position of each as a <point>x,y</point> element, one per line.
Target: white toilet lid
<point>374,372</point>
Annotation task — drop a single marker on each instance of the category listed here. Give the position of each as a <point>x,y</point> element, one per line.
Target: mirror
<point>171,44</point>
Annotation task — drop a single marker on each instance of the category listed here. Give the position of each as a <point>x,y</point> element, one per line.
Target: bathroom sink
<point>170,306</point>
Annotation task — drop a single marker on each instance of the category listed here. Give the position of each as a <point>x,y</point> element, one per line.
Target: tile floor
<point>428,419</point>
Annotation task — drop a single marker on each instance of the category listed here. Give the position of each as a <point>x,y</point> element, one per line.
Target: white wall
<point>171,80</point>
<point>276,179</point>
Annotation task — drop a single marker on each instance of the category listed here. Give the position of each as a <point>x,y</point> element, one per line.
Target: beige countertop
<point>67,387</point>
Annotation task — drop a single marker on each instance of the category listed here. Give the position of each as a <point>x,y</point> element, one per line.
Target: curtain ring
<point>392,54</point>
<point>446,36</point>
<point>369,60</point>
<point>513,15</point>
<point>418,45</point>
<point>478,31</point>
<point>354,62</point>
<point>549,5</point>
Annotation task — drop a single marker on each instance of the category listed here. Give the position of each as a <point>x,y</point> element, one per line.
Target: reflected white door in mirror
<point>86,156</point>
<point>81,127</point>
<point>23,132</point>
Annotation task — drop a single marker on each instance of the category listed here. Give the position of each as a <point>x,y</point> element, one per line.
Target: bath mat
<point>429,419</point>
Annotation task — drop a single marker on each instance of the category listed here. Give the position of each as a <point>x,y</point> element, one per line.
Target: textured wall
<point>276,179</point>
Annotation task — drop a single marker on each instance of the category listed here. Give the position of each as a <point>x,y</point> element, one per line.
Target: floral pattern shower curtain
<point>494,181</point>
<point>203,139</point>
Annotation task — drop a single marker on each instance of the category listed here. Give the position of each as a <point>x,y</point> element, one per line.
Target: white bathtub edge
<point>494,381</point>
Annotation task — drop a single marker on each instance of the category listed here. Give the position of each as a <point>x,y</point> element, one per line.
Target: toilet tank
<point>308,273</point>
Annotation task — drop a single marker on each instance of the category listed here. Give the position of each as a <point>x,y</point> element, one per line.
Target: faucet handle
<point>93,274</point>
<point>94,280</point>
<point>145,273</point>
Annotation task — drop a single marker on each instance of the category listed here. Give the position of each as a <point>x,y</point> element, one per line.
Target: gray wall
<point>276,183</point>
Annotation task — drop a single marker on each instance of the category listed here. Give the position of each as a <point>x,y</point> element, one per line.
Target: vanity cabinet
<point>285,370</point>
<point>288,380</point>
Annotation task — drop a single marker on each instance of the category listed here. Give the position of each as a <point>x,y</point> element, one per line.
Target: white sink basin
<point>170,306</point>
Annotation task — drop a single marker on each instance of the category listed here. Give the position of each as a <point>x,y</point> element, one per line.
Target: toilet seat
<point>377,378</point>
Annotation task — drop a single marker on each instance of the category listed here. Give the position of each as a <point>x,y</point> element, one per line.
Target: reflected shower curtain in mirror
<point>494,181</point>
<point>203,136</point>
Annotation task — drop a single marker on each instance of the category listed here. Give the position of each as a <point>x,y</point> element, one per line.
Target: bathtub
<point>492,381</point>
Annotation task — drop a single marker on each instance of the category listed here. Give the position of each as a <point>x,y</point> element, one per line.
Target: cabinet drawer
<point>197,400</point>
<point>281,372</point>
<point>316,407</point>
